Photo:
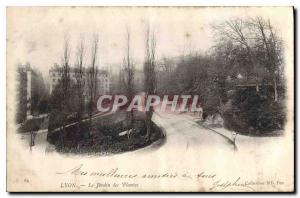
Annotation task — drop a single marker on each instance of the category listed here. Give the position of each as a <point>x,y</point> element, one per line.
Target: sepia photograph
<point>150,99</point>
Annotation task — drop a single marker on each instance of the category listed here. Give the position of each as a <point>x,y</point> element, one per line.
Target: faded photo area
<point>150,99</point>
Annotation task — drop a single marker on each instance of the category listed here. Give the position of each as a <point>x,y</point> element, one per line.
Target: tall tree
<point>80,80</point>
<point>92,78</point>
<point>128,78</point>
<point>65,82</point>
<point>149,73</point>
<point>267,40</point>
<point>237,31</point>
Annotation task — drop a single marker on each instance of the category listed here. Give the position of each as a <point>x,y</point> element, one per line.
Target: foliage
<point>247,56</point>
<point>254,113</point>
<point>105,137</point>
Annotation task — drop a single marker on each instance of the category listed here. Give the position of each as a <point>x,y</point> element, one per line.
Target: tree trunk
<point>148,124</point>
<point>90,125</point>
<point>130,121</point>
<point>275,89</point>
<point>131,118</point>
<point>148,129</point>
<point>256,82</point>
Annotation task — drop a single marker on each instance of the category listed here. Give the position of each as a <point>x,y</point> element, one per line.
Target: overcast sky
<point>36,35</point>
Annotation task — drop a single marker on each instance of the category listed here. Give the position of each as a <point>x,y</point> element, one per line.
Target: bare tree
<point>65,81</point>
<point>236,30</point>
<point>80,81</point>
<point>276,54</point>
<point>149,72</point>
<point>267,39</point>
<point>92,78</point>
<point>128,78</point>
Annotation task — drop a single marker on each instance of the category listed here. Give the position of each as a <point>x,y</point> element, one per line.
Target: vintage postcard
<point>150,99</point>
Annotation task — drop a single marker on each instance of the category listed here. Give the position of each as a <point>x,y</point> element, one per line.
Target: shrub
<point>254,113</point>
